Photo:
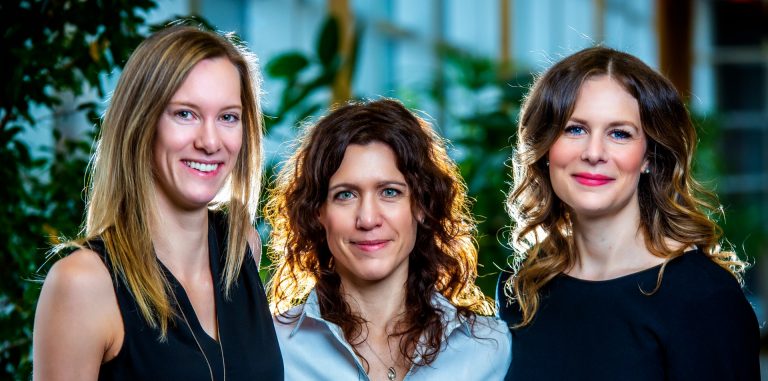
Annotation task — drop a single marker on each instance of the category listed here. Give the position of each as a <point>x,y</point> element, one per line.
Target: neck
<point>610,247</point>
<point>380,303</point>
<point>180,240</point>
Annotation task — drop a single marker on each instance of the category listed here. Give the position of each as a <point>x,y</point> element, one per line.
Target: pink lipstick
<point>592,179</point>
<point>371,245</point>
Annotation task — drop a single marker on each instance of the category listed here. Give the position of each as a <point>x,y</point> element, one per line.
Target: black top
<point>247,336</point>
<point>697,326</point>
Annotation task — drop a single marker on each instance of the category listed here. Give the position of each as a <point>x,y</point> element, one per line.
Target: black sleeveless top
<point>246,333</point>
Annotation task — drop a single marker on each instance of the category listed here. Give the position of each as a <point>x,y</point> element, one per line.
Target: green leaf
<point>328,43</point>
<point>287,65</point>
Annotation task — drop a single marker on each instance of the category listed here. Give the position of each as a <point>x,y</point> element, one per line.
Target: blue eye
<point>620,134</point>
<point>230,118</point>
<point>184,114</point>
<point>343,195</point>
<point>390,192</point>
<point>575,129</point>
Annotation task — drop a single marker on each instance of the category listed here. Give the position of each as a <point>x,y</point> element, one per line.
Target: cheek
<point>409,224</point>
<point>631,160</point>
<point>334,222</point>
<point>162,145</point>
<point>234,142</point>
<point>561,153</point>
<point>169,138</point>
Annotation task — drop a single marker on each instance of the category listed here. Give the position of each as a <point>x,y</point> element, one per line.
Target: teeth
<point>202,167</point>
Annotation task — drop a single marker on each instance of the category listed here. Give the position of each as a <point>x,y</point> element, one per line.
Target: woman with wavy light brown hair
<point>164,283</point>
<point>617,272</point>
<point>375,258</point>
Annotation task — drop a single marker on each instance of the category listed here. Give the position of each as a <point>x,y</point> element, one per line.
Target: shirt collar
<point>450,319</point>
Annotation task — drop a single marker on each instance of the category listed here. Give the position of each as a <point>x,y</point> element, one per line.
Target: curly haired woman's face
<point>596,162</point>
<point>199,135</point>
<point>369,223</point>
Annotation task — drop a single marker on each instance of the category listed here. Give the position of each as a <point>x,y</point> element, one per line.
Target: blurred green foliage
<point>741,214</point>
<point>482,131</point>
<point>306,81</point>
<point>58,48</point>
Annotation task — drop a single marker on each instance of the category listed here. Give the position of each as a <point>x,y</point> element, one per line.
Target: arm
<point>77,323</point>
<point>716,336</point>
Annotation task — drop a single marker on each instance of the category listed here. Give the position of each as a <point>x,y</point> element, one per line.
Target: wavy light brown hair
<point>673,205</point>
<point>444,258</point>
<point>120,193</point>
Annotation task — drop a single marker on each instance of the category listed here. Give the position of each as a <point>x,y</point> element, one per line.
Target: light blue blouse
<point>314,349</point>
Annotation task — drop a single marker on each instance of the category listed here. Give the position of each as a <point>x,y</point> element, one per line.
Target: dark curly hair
<point>673,205</point>
<point>444,258</point>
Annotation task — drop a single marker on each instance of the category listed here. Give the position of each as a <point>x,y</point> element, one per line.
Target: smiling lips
<point>205,168</point>
<point>370,245</point>
<point>592,179</point>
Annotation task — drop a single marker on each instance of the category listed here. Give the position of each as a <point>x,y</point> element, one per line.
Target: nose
<point>594,151</point>
<point>208,138</point>
<point>368,214</point>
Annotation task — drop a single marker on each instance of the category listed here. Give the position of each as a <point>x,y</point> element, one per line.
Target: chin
<point>198,202</point>
<point>368,275</point>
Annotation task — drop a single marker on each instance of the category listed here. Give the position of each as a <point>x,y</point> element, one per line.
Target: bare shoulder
<point>81,263</point>
<point>77,322</point>
<point>80,275</point>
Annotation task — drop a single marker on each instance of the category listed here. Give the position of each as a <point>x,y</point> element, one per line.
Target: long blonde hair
<point>673,205</point>
<point>120,198</point>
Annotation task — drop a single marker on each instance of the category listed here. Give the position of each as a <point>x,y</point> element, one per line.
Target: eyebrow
<point>612,124</point>
<point>378,185</point>
<point>192,105</point>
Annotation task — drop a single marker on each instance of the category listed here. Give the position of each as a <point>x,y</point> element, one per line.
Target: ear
<point>419,215</point>
<point>646,167</point>
<point>321,217</point>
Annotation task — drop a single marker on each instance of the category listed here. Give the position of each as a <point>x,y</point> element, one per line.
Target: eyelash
<point>234,118</point>
<point>179,113</point>
<point>396,192</point>
<point>338,195</point>
<point>346,195</point>
<point>617,133</point>
<point>188,115</point>
<point>623,134</point>
<point>571,130</point>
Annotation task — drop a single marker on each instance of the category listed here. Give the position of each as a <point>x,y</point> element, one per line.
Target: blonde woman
<point>618,274</point>
<point>164,283</point>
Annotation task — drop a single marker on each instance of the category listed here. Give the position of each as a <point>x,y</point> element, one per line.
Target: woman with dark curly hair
<point>618,273</point>
<point>375,259</point>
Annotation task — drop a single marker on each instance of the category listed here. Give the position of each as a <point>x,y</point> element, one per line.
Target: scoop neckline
<point>625,276</point>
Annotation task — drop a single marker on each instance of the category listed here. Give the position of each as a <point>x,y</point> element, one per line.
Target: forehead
<point>371,162</point>
<point>211,79</point>
<point>605,93</point>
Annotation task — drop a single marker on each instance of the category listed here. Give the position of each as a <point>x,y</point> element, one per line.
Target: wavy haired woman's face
<point>596,163</point>
<point>199,135</point>
<point>369,223</point>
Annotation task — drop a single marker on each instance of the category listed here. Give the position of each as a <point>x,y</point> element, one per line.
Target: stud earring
<point>547,163</point>
<point>647,170</point>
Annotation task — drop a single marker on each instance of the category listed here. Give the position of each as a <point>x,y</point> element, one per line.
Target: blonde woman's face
<point>199,135</point>
<point>596,163</point>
